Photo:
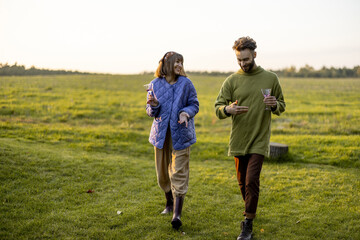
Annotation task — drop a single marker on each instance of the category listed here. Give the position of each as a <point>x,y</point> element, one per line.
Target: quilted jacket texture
<point>173,99</point>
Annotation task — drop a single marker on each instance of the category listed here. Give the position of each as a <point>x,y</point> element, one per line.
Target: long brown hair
<point>166,65</point>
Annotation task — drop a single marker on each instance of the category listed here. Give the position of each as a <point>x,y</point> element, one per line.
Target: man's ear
<point>254,55</point>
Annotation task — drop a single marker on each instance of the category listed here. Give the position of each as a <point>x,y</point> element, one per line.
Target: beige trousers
<point>172,167</point>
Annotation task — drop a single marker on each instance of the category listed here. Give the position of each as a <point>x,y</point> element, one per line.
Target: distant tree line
<point>20,70</point>
<point>303,72</point>
<point>309,72</point>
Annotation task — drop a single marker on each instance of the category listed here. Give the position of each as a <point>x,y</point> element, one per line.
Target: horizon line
<point>150,72</point>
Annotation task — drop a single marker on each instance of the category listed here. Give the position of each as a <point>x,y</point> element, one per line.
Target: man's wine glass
<point>266,93</point>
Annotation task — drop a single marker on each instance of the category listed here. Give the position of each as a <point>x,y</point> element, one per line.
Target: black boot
<point>246,232</point>
<point>178,204</point>
<point>169,203</point>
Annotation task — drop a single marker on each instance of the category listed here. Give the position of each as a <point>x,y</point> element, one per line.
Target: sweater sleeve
<point>280,102</point>
<point>223,99</point>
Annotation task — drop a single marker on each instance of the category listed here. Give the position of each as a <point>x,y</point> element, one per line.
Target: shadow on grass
<point>284,158</point>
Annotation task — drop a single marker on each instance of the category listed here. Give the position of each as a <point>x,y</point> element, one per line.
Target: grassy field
<point>61,136</point>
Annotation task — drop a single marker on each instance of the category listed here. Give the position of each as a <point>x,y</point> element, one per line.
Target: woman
<point>173,104</point>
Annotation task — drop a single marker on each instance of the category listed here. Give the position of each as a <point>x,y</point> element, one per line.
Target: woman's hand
<point>152,101</point>
<point>183,118</point>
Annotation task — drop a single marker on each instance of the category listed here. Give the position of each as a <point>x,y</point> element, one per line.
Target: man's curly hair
<point>244,43</point>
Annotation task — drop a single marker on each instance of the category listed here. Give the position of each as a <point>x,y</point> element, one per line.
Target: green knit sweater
<point>250,132</point>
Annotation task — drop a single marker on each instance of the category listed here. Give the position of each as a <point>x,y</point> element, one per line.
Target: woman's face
<point>178,65</point>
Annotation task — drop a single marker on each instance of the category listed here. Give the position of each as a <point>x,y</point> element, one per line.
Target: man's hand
<point>270,101</point>
<point>234,109</point>
<point>152,101</point>
<point>183,118</point>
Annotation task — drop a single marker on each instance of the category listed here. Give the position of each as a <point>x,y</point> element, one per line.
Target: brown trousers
<point>172,167</point>
<point>248,170</point>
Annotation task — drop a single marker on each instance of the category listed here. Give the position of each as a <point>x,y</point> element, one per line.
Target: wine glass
<point>266,93</point>
<point>149,89</point>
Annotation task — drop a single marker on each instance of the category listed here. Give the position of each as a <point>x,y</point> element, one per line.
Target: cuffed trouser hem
<point>250,215</point>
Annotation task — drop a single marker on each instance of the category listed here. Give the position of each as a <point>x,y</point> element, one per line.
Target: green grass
<point>63,135</point>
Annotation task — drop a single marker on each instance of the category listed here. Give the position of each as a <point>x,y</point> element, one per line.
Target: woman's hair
<point>244,43</point>
<point>166,65</point>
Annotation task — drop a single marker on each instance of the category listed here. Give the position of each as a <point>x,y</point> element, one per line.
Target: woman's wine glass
<point>149,89</point>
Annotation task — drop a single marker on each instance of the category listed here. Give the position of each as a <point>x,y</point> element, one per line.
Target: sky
<point>129,37</point>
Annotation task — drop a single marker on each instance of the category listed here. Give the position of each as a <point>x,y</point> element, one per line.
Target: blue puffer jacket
<point>173,99</point>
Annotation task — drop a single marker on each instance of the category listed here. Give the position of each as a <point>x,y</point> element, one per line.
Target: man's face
<point>246,59</point>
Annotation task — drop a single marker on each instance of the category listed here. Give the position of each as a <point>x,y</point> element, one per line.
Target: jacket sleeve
<point>280,102</point>
<point>192,107</point>
<point>152,111</point>
<point>223,99</point>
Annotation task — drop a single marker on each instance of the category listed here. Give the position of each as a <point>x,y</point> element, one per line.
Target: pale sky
<point>126,37</point>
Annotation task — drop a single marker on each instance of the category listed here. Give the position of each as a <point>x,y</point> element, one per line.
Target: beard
<point>248,67</point>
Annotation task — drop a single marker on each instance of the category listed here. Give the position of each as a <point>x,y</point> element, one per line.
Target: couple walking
<point>172,102</point>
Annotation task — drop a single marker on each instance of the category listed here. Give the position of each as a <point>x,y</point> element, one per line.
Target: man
<point>241,98</point>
